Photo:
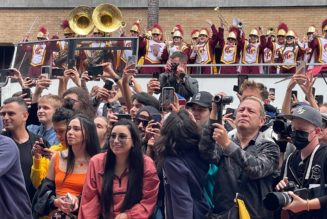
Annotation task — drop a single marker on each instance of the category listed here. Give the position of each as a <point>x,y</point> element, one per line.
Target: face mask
<point>300,139</point>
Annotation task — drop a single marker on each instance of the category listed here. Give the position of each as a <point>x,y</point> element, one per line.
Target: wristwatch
<point>116,79</point>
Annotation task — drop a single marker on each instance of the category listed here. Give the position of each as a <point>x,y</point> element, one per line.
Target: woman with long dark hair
<point>68,168</point>
<point>121,183</point>
<point>183,169</point>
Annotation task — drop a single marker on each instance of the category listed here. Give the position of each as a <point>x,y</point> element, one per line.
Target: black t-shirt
<point>298,168</point>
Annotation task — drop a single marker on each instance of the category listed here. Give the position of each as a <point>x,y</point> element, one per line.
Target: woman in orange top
<point>68,168</point>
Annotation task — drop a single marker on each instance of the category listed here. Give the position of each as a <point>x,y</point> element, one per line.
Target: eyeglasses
<point>122,138</point>
<point>144,122</point>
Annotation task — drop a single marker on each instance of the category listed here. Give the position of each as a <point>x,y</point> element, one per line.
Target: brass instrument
<point>80,20</point>
<point>221,17</point>
<point>107,18</point>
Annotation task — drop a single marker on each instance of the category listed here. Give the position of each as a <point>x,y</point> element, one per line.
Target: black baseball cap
<point>202,98</point>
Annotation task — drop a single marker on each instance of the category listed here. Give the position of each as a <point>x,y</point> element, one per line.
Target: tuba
<point>80,20</point>
<point>107,18</point>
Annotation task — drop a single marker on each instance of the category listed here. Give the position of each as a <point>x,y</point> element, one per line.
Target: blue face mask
<point>300,139</point>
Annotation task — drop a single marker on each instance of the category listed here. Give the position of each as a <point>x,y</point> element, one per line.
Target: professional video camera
<point>282,128</point>
<point>276,200</point>
<point>221,101</point>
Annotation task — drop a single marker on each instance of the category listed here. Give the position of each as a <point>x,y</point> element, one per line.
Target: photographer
<point>306,166</point>
<point>176,76</point>
<point>246,161</point>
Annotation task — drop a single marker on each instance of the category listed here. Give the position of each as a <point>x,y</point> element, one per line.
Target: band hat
<point>306,113</point>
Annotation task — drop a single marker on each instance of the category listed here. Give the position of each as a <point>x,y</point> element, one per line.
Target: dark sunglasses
<point>202,35</point>
<point>143,121</point>
<point>194,38</point>
<point>122,138</point>
<point>290,38</point>
<point>155,34</point>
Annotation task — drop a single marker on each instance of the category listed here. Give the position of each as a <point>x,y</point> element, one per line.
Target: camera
<point>223,100</point>
<point>174,67</point>
<point>276,200</point>
<point>281,127</point>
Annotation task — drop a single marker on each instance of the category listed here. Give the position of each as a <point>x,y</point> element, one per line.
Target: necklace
<point>81,163</point>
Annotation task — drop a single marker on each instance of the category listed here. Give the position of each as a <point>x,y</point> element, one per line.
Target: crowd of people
<point>121,152</point>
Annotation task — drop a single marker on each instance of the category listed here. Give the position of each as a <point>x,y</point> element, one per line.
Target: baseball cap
<point>201,98</point>
<point>306,113</point>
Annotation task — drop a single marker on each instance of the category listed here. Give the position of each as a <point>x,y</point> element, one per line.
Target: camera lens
<point>276,200</point>
<point>217,98</point>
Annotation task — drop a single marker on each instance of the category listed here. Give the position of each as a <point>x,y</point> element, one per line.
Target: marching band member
<point>154,50</point>
<point>252,50</point>
<point>319,44</point>
<point>177,44</point>
<point>275,46</point>
<point>203,52</point>
<point>231,49</point>
<point>268,55</point>
<point>289,54</point>
<point>62,46</point>
<point>41,52</point>
<point>124,54</point>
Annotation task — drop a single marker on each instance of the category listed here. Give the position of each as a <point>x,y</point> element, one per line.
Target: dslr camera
<point>282,128</point>
<point>277,200</point>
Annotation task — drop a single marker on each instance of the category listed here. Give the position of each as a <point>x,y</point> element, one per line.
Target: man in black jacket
<point>177,77</point>
<point>246,162</point>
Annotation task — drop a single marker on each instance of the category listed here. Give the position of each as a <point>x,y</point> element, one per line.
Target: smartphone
<point>156,117</point>
<point>272,90</point>
<point>123,116</point>
<point>294,93</point>
<point>156,75</point>
<point>94,71</point>
<point>232,111</point>
<point>57,72</point>
<point>39,139</point>
<point>69,198</point>
<point>27,91</point>
<point>319,99</point>
<point>313,91</point>
<point>46,71</point>
<point>108,85</point>
<point>168,96</point>
<point>131,62</point>
<point>240,80</point>
<point>300,67</point>
<point>182,102</point>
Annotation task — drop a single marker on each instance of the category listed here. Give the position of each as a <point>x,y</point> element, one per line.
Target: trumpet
<point>221,17</point>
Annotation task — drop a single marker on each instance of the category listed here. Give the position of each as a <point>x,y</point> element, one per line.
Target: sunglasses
<point>155,34</point>
<point>143,121</point>
<point>177,37</point>
<point>194,38</point>
<point>122,138</point>
<point>202,35</point>
<point>290,38</point>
